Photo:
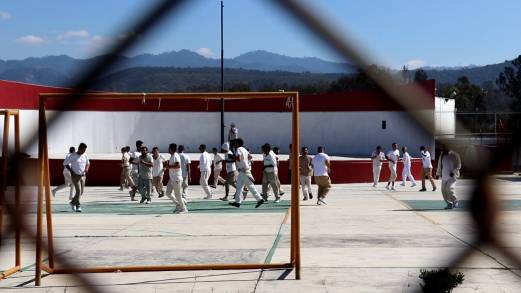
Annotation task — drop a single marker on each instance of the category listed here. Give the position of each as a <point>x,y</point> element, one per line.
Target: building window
<point>384,124</point>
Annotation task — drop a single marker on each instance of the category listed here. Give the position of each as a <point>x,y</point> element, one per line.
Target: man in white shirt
<point>67,177</point>
<point>157,172</point>
<point>449,165</point>
<point>406,172</point>
<point>377,157</point>
<point>175,180</point>
<point>185,169</point>
<point>78,164</point>
<point>205,167</point>
<point>245,177</point>
<point>231,170</point>
<point>269,174</point>
<point>134,171</point>
<point>321,171</point>
<point>217,168</point>
<point>427,168</point>
<point>393,155</point>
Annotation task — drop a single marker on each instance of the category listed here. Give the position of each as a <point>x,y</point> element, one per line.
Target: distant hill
<point>477,74</point>
<point>61,70</point>
<point>160,79</point>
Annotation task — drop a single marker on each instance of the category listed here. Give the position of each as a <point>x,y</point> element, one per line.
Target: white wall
<point>445,117</point>
<point>348,133</point>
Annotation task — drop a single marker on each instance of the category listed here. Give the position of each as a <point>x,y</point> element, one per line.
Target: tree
<point>469,97</point>
<point>420,75</point>
<point>357,81</point>
<point>509,81</point>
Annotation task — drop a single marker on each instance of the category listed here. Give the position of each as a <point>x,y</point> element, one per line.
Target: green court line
<point>268,258</point>
<point>165,207</point>
<point>434,205</point>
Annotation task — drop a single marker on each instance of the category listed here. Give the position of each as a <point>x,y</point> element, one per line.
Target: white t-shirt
<point>406,159</point>
<point>135,157</point>
<point>185,161</point>
<point>319,164</point>
<point>175,173</point>
<point>230,162</point>
<point>205,162</point>
<point>77,162</point>
<point>446,167</point>
<point>65,170</point>
<point>157,169</point>
<point>218,161</point>
<point>426,159</point>
<point>270,159</point>
<point>378,158</point>
<point>243,164</point>
<point>393,156</point>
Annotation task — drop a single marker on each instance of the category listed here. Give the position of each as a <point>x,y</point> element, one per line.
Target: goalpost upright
<point>7,114</point>
<point>44,185</point>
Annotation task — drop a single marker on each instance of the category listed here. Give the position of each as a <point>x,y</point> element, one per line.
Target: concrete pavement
<point>365,240</point>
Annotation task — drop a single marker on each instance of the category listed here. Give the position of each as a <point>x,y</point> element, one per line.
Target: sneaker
<point>224,198</point>
<point>142,200</point>
<point>423,189</point>
<point>281,193</point>
<point>235,204</point>
<point>148,201</point>
<point>319,203</point>
<point>449,206</point>
<point>387,187</point>
<point>53,193</point>
<point>259,203</point>
<point>161,195</point>
<point>321,200</point>
<point>73,207</point>
<point>434,188</point>
<point>78,209</point>
<point>207,197</point>
<point>244,195</point>
<point>413,185</point>
<point>392,188</point>
<point>120,188</point>
<point>310,196</point>
<point>305,198</point>
<point>277,200</point>
<point>374,184</point>
<point>402,184</point>
<point>265,197</point>
<point>182,212</point>
<point>455,204</point>
<point>213,186</point>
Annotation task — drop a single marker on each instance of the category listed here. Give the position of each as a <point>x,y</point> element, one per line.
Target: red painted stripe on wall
<point>25,96</point>
<point>107,172</point>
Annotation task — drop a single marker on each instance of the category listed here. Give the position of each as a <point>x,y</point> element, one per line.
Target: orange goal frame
<point>44,185</point>
<point>3,186</point>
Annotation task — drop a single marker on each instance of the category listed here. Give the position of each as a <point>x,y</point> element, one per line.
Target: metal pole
<point>47,189</point>
<point>295,183</point>
<point>39,206</point>
<point>222,75</point>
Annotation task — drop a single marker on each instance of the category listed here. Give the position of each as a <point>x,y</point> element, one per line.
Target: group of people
<point>449,165</point>
<point>141,171</point>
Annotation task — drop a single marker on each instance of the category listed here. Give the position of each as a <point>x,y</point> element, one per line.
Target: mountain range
<point>258,67</point>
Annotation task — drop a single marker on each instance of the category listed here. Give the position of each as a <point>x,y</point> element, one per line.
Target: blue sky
<point>395,33</point>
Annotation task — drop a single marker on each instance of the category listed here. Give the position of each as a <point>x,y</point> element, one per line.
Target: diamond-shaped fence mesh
<point>483,203</point>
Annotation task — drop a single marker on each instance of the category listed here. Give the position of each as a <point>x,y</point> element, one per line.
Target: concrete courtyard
<point>365,240</point>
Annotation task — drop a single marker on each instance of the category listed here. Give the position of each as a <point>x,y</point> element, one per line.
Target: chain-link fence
<point>484,209</point>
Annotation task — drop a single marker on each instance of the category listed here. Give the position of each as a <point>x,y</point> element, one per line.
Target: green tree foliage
<point>420,75</point>
<point>358,81</point>
<point>469,97</point>
<point>509,81</point>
